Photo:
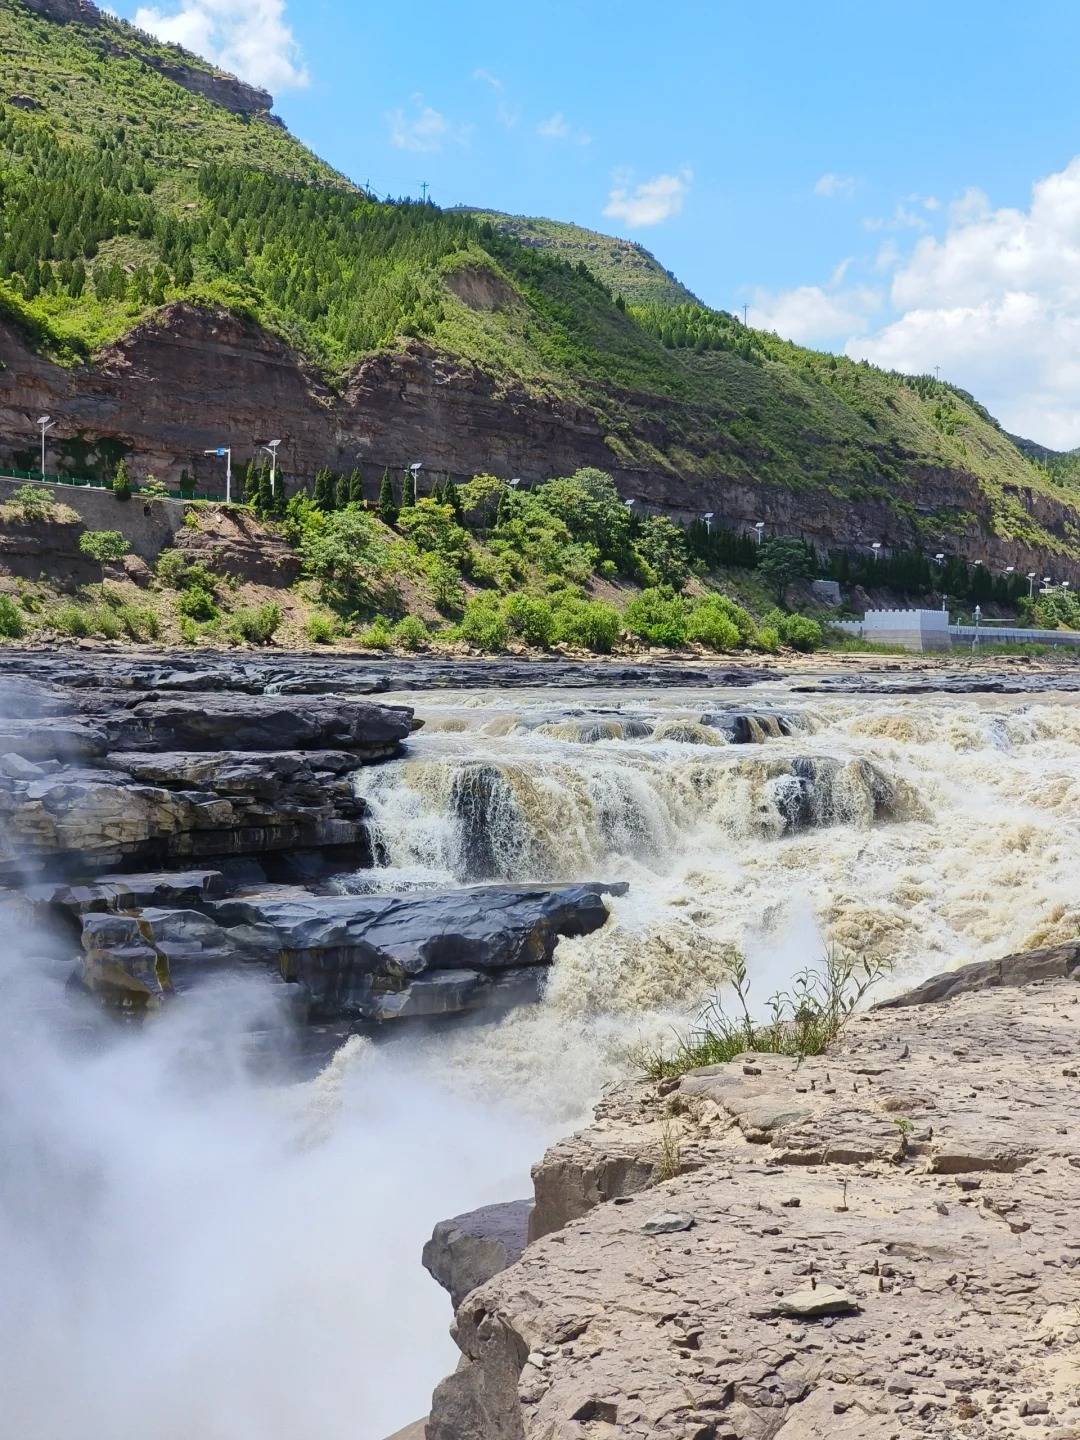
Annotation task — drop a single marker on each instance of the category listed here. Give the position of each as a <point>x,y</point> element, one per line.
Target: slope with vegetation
<point>124,191</point>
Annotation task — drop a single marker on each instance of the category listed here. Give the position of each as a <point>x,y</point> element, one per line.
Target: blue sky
<point>860,174</point>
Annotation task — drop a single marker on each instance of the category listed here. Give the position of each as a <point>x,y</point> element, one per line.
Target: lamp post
<point>940,557</point>
<point>272,449</point>
<point>629,504</point>
<point>224,452</point>
<point>45,423</point>
<point>515,482</point>
<point>759,529</point>
<point>708,518</point>
<point>1031,584</point>
<point>876,548</point>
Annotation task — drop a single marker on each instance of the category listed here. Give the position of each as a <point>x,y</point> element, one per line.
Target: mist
<point>191,1250</point>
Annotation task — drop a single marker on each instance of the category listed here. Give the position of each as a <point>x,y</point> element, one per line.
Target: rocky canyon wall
<point>191,379</point>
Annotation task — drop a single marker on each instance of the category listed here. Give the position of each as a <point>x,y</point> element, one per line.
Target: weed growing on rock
<point>804,1020</point>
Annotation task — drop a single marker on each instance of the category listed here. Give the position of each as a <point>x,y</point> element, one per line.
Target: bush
<point>255,624</point>
<point>708,627</point>
<point>484,625</point>
<point>376,636</point>
<point>410,633</point>
<point>104,546</point>
<point>767,639</point>
<point>36,502</point>
<point>446,588</point>
<point>347,552</point>
<point>531,618</point>
<point>197,603</point>
<point>723,606</point>
<point>657,617</point>
<point>139,622</point>
<point>320,628</point>
<point>587,624</point>
<point>661,552</point>
<point>171,568</point>
<point>11,622</point>
<point>190,633</point>
<point>798,631</point>
<point>70,620</point>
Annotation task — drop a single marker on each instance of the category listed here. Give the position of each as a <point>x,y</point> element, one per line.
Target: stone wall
<point>147,525</point>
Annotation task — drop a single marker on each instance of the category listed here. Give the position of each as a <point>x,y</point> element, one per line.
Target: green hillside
<point>625,268</point>
<point>122,190</point>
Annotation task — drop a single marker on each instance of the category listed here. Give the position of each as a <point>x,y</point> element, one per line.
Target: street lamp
<point>46,422</point>
<point>876,548</point>
<point>224,452</point>
<point>272,449</point>
<point>1031,584</point>
<point>515,482</point>
<point>708,518</point>
<point>940,557</point>
<point>759,527</point>
<point>629,504</point>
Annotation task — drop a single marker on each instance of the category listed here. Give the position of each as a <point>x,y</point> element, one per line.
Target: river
<point>278,1292</point>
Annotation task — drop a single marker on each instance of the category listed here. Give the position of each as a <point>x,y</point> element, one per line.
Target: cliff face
<point>192,379</point>
<point>214,85</point>
<point>875,1243</point>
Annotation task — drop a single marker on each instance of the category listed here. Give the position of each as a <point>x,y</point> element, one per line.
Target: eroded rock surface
<point>881,1242</point>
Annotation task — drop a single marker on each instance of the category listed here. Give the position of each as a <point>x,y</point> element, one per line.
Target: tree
<point>356,488</point>
<point>121,485</point>
<point>661,547</point>
<point>324,492</point>
<point>387,503</point>
<point>104,546</point>
<point>251,485</point>
<point>266,500</point>
<point>341,492</point>
<point>408,490</point>
<point>782,561</point>
<point>451,497</point>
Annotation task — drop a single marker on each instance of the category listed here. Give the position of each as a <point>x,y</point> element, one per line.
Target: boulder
<point>468,1250</point>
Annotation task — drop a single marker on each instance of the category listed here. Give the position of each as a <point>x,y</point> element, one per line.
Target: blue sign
<point>220,452</point>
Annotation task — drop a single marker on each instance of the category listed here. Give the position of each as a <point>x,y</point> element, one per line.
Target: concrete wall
<point>1012,635</point>
<point>914,629</point>
<point>147,525</point>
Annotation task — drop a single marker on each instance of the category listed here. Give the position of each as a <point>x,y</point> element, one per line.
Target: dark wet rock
<point>749,727</point>
<point>133,892</point>
<point>357,957</point>
<point>468,1250</point>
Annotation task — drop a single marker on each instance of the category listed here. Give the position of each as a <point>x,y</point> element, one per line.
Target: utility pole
<point>745,312</point>
<point>937,373</point>
<point>272,449</point>
<point>224,452</point>
<point>423,192</point>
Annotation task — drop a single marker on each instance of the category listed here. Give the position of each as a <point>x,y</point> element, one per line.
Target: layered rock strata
<point>879,1242</point>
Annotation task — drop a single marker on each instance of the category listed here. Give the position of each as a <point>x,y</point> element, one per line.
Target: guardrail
<point>86,482</point>
<point>1014,635</point>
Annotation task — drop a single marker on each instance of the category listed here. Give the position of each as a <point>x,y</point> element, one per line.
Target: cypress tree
<point>265,501</point>
<point>387,504</point>
<point>408,490</point>
<point>121,485</point>
<point>251,485</point>
<point>341,492</point>
<point>356,489</point>
<point>324,491</point>
<point>451,497</point>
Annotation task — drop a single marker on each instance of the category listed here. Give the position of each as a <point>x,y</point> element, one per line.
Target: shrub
<point>171,567</point>
<point>661,552</point>
<point>320,628</point>
<point>197,603</point>
<point>446,588</point>
<point>587,624</point>
<point>433,529</point>
<point>70,620</point>
<point>139,622</point>
<point>104,546</point>
<point>530,617</point>
<point>723,606</point>
<point>347,552</point>
<point>706,626</point>
<point>798,631</point>
<point>484,625</point>
<point>376,636</point>
<point>410,633</point>
<point>105,622</point>
<point>657,617</point>
<point>767,639</point>
<point>121,485</point>
<point>12,626</point>
<point>153,489</point>
<point>37,502</point>
<point>190,633</point>
<point>255,624</point>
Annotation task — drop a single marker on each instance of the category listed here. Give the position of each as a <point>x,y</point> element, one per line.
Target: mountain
<point>177,272</point>
<point>626,268</point>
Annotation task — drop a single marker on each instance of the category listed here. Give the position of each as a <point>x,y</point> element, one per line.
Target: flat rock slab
<point>468,1250</point>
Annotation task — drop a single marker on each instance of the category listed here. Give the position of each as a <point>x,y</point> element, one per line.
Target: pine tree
<point>408,490</point>
<point>121,485</point>
<point>451,497</point>
<point>324,491</point>
<point>356,488</point>
<point>341,492</point>
<point>265,504</point>
<point>387,504</point>
<point>251,485</point>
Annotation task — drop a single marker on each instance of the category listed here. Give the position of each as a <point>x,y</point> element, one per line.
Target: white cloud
<point>996,303</point>
<point>423,129</point>
<point>830,185</point>
<point>650,202</point>
<point>814,314</point>
<point>506,113</point>
<point>557,127</point>
<point>250,38</point>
